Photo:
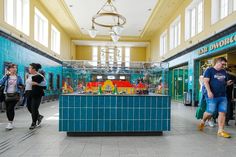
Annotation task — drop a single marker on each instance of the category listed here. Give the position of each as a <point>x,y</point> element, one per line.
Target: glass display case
<point>105,99</point>
<point>88,77</point>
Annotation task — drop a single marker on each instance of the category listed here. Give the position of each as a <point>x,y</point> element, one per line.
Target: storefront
<point>198,58</point>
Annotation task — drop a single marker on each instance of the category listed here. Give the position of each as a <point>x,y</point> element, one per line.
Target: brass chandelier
<point>115,22</point>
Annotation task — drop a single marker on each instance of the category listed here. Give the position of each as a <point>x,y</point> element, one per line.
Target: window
<point>111,57</point>
<point>119,57</point>
<point>163,43</point>
<point>194,19</point>
<point>127,57</point>
<point>55,40</point>
<point>193,22</point>
<point>221,9</point>
<point>17,14</point>
<point>175,33</point>
<point>103,57</point>
<point>95,56</point>
<point>40,28</point>
<point>224,8</point>
<point>200,17</point>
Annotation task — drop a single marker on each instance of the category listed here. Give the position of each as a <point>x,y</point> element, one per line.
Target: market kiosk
<point>109,100</point>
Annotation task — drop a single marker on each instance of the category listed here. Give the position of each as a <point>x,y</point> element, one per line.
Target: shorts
<point>216,104</point>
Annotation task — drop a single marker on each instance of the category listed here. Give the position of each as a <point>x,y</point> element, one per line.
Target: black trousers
<point>10,108</point>
<point>33,104</point>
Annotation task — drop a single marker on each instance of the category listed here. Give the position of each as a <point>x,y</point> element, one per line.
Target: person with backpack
<point>34,91</point>
<point>12,87</point>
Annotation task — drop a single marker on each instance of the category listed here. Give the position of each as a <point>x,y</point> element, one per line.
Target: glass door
<point>180,82</point>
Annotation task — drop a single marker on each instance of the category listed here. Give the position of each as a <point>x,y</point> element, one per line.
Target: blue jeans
<point>216,104</point>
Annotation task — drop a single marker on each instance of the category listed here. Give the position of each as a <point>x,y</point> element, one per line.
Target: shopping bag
<point>201,109</point>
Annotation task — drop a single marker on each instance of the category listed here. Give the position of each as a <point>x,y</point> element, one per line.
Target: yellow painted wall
<point>138,54</point>
<point>208,30</point>
<point>85,53</point>
<point>148,53</point>
<point>65,39</point>
<point>73,51</point>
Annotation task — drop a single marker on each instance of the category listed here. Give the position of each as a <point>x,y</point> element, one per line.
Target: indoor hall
<point>117,77</point>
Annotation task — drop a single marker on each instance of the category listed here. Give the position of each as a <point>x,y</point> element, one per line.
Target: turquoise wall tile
<point>71,126</point>
<point>77,113</point>
<point>116,116</point>
<point>95,126</point>
<point>77,125</point>
<point>89,101</point>
<point>71,113</point>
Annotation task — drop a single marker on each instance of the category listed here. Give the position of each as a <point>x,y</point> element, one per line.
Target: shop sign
<point>221,43</point>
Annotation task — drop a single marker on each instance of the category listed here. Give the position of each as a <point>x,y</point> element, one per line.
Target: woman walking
<point>35,84</point>
<point>13,83</point>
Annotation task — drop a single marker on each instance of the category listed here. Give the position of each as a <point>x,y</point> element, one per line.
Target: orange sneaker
<point>223,134</point>
<point>201,126</point>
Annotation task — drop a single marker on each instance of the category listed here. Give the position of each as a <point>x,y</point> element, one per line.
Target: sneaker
<point>40,119</point>
<point>9,126</point>
<point>33,126</point>
<point>211,123</point>
<point>223,134</point>
<point>201,126</point>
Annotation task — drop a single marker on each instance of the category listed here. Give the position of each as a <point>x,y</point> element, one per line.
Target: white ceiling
<point>136,13</point>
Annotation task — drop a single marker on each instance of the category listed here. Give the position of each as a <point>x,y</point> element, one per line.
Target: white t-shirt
<point>28,82</point>
<point>12,81</point>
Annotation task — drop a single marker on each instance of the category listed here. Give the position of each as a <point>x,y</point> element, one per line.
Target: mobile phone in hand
<point>8,73</point>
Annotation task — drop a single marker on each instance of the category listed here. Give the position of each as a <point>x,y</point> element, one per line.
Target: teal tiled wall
<point>86,113</point>
<point>17,53</point>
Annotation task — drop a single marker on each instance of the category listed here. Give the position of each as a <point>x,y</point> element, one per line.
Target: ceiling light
<point>115,37</point>
<point>117,29</point>
<point>116,21</point>
<point>93,32</point>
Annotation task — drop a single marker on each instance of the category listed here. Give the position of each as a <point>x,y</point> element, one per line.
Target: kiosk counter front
<point>114,101</point>
<point>114,114</point>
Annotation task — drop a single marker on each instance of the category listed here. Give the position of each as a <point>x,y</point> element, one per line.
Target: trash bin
<point>187,100</point>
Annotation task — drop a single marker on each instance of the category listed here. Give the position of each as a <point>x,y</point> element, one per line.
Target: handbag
<point>12,97</point>
<point>2,96</point>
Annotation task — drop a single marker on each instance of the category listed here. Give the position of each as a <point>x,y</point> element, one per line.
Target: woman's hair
<point>36,66</point>
<point>10,66</point>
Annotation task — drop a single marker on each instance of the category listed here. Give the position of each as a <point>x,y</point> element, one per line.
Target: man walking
<point>215,81</point>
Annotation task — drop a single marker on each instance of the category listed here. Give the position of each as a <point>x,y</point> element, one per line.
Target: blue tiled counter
<point>114,114</point>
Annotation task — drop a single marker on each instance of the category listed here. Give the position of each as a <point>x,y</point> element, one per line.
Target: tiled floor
<point>183,141</point>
